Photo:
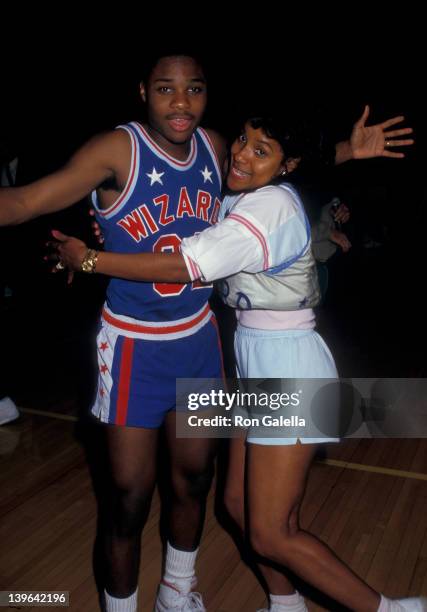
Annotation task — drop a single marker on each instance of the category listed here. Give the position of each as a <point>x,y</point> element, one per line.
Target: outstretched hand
<point>378,140</point>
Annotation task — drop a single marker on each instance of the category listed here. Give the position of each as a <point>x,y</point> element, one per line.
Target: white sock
<point>179,568</point>
<point>117,604</point>
<point>288,603</point>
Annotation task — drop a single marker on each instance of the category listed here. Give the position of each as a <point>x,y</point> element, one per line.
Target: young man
<point>154,184</point>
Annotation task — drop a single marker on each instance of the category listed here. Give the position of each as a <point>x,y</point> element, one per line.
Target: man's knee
<point>130,509</point>
<point>193,483</point>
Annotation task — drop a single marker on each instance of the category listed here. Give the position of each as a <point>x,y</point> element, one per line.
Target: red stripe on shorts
<point>124,381</point>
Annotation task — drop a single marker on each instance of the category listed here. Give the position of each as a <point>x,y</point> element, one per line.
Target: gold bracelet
<point>89,261</point>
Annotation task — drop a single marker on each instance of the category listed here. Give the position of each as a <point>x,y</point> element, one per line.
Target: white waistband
<point>157,330</point>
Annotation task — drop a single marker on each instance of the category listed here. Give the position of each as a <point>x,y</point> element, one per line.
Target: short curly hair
<point>296,135</point>
<point>151,59</point>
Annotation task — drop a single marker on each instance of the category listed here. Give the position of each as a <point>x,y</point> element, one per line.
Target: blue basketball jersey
<point>164,200</point>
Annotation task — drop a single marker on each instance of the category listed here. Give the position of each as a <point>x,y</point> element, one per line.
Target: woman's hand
<point>377,140</point>
<point>373,140</point>
<point>69,253</point>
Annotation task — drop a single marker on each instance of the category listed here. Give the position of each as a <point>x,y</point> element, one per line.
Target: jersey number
<point>169,243</point>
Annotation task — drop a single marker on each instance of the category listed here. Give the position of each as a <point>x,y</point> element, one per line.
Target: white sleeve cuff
<point>192,268</point>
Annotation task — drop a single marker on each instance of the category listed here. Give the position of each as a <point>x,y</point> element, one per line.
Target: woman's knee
<point>268,542</point>
<point>275,540</point>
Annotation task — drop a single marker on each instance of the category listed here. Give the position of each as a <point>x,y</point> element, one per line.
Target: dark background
<point>62,85</point>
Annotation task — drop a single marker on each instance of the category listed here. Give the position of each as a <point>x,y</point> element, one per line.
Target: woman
<point>261,246</point>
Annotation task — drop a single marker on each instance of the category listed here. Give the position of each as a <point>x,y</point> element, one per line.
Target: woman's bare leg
<point>276,481</point>
<point>277,582</point>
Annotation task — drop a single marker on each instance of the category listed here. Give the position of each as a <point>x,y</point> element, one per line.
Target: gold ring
<point>387,143</point>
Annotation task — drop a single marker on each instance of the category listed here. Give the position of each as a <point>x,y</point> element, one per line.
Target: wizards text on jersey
<point>164,200</point>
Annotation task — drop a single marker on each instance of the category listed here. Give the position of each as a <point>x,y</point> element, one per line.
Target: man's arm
<point>373,141</point>
<point>96,161</point>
